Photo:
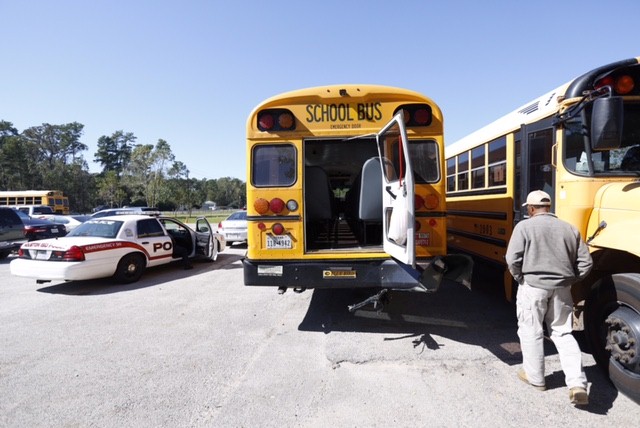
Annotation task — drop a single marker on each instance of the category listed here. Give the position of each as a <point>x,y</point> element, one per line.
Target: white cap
<point>538,197</point>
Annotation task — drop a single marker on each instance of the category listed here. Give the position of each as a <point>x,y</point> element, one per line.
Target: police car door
<point>397,192</point>
<point>151,235</point>
<point>206,244</point>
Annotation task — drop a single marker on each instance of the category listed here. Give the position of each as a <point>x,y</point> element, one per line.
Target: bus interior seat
<point>364,200</point>
<point>319,204</point>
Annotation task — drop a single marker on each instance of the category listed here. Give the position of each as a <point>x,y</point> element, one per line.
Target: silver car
<point>234,227</point>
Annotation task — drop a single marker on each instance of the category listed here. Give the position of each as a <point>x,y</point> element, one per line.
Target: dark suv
<point>11,231</point>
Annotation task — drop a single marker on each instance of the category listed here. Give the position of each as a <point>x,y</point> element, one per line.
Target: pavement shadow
<point>453,312</point>
<point>480,317</point>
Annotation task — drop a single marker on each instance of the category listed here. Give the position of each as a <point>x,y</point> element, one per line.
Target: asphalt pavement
<point>199,349</point>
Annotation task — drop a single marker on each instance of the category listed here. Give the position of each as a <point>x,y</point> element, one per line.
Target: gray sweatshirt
<point>546,252</point>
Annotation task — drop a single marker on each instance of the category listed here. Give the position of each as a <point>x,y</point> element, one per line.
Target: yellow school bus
<point>345,190</point>
<point>55,199</point>
<point>580,143</point>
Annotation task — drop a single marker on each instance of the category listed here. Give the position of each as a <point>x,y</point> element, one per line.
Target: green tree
<point>110,189</point>
<point>231,192</point>
<point>146,171</point>
<point>161,156</point>
<point>137,174</point>
<point>114,152</point>
<point>17,161</point>
<point>56,146</point>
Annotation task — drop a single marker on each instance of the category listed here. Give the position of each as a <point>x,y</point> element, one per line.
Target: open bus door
<point>397,192</point>
<point>398,220</point>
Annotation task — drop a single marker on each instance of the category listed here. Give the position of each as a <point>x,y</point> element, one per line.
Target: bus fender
<point>616,236</point>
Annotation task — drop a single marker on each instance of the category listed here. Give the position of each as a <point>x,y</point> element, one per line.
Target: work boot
<point>578,396</point>
<point>523,377</point>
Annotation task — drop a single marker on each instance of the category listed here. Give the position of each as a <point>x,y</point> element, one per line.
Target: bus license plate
<point>279,242</point>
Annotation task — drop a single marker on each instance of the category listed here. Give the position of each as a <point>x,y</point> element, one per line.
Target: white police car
<point>121,246</point>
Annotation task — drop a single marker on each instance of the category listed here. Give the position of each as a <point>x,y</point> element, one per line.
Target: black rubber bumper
<point>329,274</point>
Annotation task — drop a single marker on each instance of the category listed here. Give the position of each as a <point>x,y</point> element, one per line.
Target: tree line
<point>52,157</point>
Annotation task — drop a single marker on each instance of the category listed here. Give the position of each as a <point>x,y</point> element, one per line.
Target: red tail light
<point>277,229</point>
<point>276,205</point>
<point>621,85</point>
<point>74,254</point>
<point>276,120</point>
<point>416,114</point>
<point>624,84</point>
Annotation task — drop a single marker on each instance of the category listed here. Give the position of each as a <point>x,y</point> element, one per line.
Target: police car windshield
<point>98,228</point>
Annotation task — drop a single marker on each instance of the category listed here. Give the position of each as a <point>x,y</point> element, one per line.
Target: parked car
<point>121,246</point>
<point>126,210</point>
<point>33,210</point>
<point>35,228</point>
<point>234,227</point>
<point>69,221</point>
<point>11,232</point>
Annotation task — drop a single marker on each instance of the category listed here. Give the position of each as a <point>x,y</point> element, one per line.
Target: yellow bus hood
<point>617,204</point>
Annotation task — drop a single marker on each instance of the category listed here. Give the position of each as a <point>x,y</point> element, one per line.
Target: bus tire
<point>130,268</point>
<point>612,321</point>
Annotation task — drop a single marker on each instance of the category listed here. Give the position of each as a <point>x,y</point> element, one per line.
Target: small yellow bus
<point>581,144</point>
<point>52,198</point>
<point>345,189</point>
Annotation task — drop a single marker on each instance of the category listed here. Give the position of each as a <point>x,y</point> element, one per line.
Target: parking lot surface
<point>199,349</point>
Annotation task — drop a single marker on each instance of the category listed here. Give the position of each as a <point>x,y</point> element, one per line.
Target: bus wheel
<point>130,268</point>
<point>612,320</point>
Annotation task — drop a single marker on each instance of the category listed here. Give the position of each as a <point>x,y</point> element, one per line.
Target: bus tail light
<point>431,201</point>
<point>292,205</point>
<point>276,120</point>
<point>276,205</point>
<point>416,114</point>
<point>624,84</point>
<point>277,229</point>
<point>621,85</point>
<point>261,205</point>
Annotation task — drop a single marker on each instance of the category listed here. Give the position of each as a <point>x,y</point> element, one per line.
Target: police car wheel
<point>130,268</point>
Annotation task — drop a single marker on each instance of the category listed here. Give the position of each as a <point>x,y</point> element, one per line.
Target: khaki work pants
<point>535,306</point>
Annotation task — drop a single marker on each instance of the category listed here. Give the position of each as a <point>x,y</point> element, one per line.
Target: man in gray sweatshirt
<point>546,256</point>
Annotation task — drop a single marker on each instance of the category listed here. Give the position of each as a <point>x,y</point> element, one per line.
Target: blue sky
<point>190,72</point>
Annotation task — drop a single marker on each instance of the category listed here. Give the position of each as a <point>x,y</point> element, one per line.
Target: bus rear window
<point>425,160</point>
<point>273,165</point>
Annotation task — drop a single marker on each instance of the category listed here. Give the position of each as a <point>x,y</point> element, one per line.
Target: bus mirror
<point>606,123</point>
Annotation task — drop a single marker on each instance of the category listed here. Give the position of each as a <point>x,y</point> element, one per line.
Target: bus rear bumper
<point>385,273</point>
